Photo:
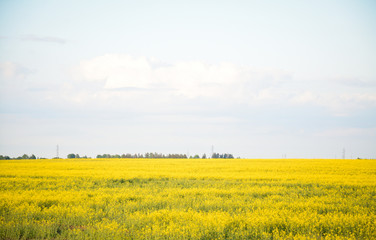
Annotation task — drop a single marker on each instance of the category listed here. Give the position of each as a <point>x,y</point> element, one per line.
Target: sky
<point>257,79</point>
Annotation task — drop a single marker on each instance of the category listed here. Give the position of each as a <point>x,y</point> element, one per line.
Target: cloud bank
<point>118,101</point>
<point>224,82</point>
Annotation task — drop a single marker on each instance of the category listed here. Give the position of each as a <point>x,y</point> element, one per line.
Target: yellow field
<point>187,199</point>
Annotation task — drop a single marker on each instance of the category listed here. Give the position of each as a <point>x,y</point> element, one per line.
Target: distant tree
<point>71,155</point>
<point>25,156</point>
<point>32,157</point>
<point>147,155</point>
<point>225,155</point>
<point>204,156</point>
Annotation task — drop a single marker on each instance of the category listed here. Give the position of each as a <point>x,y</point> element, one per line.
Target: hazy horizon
<point>255,79</point>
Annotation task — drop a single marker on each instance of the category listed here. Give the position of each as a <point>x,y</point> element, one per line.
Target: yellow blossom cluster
<point>187,199</point>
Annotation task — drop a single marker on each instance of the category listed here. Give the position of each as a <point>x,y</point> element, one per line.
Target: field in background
<point>187,199</point>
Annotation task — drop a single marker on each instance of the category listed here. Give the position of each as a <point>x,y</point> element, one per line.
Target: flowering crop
<point>187,199</point>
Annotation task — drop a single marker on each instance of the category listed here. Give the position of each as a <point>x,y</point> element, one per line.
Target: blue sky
<point>253,78</point>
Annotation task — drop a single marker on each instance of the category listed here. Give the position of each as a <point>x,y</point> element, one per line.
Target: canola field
<point>188,199</point>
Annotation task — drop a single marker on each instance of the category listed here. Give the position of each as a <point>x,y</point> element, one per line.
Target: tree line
<point>161,155</point>
<point>72,155</point>
<point>146,155</point>
<point>128,155</point>
<point>224,155</point>
<point>25,156</point>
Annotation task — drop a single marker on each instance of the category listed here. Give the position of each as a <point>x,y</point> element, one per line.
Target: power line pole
<point>57,151</point>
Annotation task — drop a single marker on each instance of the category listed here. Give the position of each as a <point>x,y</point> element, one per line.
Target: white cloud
<point>304,98</point>
<point>339,103</point>
<point>222,82</point>
<point>9,70</point>
<point>118,71</point>
<point>348,132</point>
<point>189,78</point>
<point>346,103</point>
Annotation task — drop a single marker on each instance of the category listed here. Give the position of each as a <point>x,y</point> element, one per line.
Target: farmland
<point>187,199</point>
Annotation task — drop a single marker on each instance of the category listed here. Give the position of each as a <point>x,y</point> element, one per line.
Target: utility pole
<point>212,151</point>
<point>57,151</point>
